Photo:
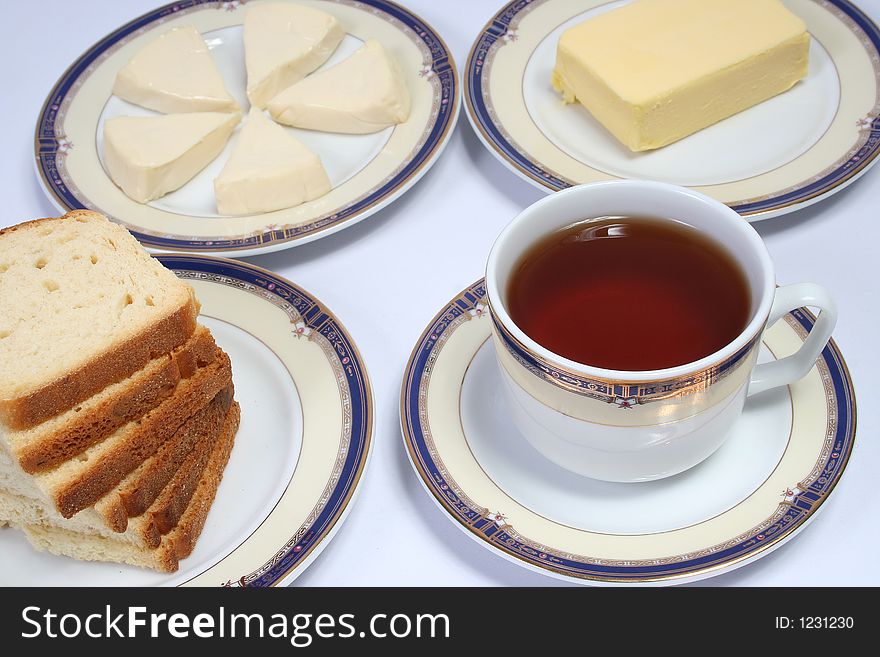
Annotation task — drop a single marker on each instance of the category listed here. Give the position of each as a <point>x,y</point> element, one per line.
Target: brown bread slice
<point>188,529</point>
<point>82,306</point>
<point>69,434</point>
<point>176,545</point>
<point>18,508</point>
<point>79,483</point>
<point>168,511</point>
<point>177,457</point>
<point>165,511</point>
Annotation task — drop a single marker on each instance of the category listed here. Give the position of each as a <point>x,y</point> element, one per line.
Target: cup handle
<point>791,368</point>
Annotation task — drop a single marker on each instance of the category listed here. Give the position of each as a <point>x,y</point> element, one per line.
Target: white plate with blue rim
<point>300,452</point>
<point>367,172</point>
<point>777,157</point>
<point>767,482</point>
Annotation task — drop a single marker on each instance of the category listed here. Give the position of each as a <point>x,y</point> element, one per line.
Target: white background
<point>386,277</point>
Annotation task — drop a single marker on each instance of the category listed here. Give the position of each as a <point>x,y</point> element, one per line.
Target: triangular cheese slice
<point>149,156</point>
<point>282,44</point>
<point>364,93</point>
<point>175,73</point>
<point>268,170</point>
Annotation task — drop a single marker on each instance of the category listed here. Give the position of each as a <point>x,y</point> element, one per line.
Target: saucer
<point>776,157</point>
<point>766,483</point>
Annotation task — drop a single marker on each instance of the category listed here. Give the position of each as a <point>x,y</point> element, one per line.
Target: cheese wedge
<point>149,156</point>
<point>364,93</point>
<point>174,73</point>
<point>268,170</point>
<point>655,71</point>
<point>283,43</point>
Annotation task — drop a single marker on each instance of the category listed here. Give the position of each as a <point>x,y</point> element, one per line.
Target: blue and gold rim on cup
<point>614,391</point>
<point>813,184</point>
<point>52,145</point>
<point>791,515</point>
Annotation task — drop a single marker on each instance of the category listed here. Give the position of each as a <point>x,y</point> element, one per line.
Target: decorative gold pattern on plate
<point>341,354</point>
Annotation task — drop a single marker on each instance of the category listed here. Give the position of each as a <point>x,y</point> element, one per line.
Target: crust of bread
<point>130,399</point>
<point>185,535</point>
<point>175,458</point>
<point>73,214</point>
<point>181,510</point>
<point>169,506</point>
<point>176,545</point>
<point>104,369</point>
<point>102,474</point>
<point>210,425</point>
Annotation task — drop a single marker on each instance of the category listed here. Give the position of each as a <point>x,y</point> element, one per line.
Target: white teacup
<point>638,426</point>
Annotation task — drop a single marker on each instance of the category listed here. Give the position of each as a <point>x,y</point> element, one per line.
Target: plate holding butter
<point>180,160</point>
<point>766,105</point>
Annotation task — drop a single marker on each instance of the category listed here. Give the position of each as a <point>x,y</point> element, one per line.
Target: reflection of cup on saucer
<point>641,423</point>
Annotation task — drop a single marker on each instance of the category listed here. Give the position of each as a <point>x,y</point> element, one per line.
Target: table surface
<point>419,252</point>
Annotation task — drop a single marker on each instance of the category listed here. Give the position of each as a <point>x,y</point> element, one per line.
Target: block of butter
<point>655,71</point>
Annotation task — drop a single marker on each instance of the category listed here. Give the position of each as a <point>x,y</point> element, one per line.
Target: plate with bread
<point>174,420</point>
<point>766,105</point>
<point>246,127</point>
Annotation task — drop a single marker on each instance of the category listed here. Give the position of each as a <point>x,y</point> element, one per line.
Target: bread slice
<point>205,427</point>
<point>165,511</point>
<point>82,306</point>
<point>176,545</point>
<point>80,482</point>
<point>76,484</point>
<point>18,511</point>
<point>183,456</point>
<point>69,434</point>
<point>180,511</point>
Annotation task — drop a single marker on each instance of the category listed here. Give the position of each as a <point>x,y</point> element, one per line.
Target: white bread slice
<point>82,306</point>
<point>362,94</point>
<point>176,545</point>
<point>201,431</point>
<point>67,435</point>
<point>80,482</point>
<point>17,510</point>
<point>174,73</point>
<point>269,169</point>
<point>149,156</point>
<point>283,43</point>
